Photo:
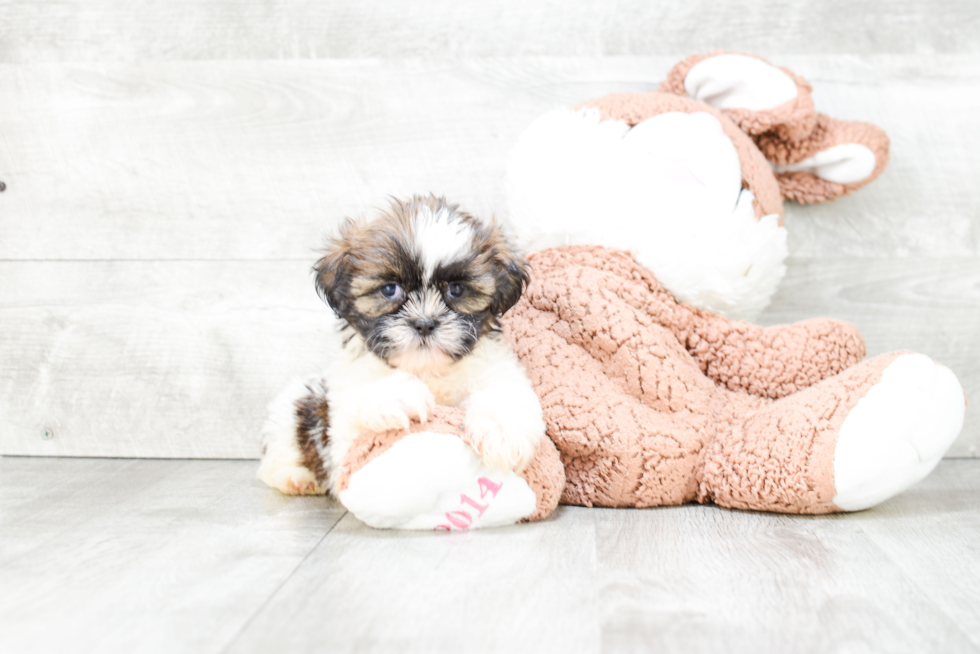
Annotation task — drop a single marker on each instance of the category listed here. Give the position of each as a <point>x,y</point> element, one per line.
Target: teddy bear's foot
<point>897,433</point>
<point>434,480</point>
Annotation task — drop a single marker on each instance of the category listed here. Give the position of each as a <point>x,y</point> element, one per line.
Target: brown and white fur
<point>418,291</point>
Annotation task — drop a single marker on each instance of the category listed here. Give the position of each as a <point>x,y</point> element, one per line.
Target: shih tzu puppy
<point>418,290</point>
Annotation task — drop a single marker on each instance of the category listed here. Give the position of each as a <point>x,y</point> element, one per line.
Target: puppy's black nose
<point>424,325</point>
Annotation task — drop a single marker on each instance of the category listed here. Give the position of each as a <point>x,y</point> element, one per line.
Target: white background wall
<point>171,168</point>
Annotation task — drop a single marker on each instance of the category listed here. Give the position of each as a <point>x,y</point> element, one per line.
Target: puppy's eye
<point>455,290</point>
<point>391,291</point>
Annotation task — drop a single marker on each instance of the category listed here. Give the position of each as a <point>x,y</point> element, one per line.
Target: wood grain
<point>154,359</point>
<point>150,30</point>
<point>254,160</point>
<point>925,531</point>
<point>249,160</point>
<point>683,579</point>
<point>143,556</point>
<point>525,588</point>
<point>745,582</point>
<point>167,556</point>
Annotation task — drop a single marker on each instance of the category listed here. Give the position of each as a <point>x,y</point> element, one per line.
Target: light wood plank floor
<point>117,555</point>
<point>170,169</point>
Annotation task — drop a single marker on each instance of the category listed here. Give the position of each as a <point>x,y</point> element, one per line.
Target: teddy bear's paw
<point>897,433</point>
<point>434,480</point>
<point>393,403</point>
<point>295,480</point>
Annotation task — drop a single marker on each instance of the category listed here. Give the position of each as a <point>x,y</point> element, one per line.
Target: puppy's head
<point>421,282</point>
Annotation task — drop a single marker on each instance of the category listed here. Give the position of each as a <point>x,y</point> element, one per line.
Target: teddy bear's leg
<point>844,444</point>
<point>292,439</point>
<point>432,478</point>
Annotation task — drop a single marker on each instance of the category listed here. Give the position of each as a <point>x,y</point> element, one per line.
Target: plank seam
<point>925,594</point>
<point>264,604</point>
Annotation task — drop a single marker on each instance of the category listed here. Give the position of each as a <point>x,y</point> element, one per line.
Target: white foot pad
<point>430,480</point>
<point>898,432</point>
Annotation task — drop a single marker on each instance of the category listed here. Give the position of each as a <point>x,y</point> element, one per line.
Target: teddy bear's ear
<point>815,158</point>
<point>734,81</point>
<point>841,156</point>
<point>758,96</point>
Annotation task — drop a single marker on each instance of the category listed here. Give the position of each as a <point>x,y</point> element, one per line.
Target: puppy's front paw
<point>296,480</point>
<point>504,440</point>
<point>394,402</point>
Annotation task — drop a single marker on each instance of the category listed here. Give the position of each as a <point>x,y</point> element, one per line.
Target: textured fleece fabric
<point>793,131</point>
<point>652,402</point>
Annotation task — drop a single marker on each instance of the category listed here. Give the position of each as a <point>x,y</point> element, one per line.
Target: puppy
<point>418,291</point>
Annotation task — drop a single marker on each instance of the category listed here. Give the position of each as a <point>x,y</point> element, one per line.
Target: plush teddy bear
<point>691,177</point>
<point>652,402</point>
<point>649,400</point>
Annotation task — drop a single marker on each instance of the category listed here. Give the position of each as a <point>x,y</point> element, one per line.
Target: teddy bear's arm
<point>773,361</point>
<point>430,477</point>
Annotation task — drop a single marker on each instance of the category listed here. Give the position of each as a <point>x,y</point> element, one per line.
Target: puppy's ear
<point>334,270</point>
<point>511,273</point>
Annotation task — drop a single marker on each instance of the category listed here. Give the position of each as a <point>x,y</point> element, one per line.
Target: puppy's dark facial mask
<point>422,282</point>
